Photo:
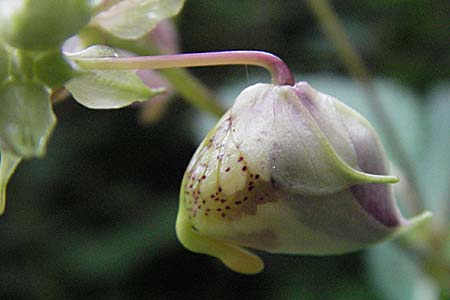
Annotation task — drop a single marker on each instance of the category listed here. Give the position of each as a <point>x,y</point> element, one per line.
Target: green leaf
<point>397,276</point>
<point>8,165</point>
<point>434,174</point>
<point>26,118</point>
<point>107,89</point>
<point>93,51</point>
<point>131,19</point>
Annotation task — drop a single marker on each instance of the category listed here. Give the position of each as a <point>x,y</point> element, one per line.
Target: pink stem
<point>279,72</point>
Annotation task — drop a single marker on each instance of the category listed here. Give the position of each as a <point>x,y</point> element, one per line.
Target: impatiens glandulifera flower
<point>287,169</point>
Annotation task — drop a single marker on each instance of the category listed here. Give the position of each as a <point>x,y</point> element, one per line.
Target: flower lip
<point>375,198</point>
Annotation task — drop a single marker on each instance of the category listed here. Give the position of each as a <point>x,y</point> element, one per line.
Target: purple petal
<point>375,198</point>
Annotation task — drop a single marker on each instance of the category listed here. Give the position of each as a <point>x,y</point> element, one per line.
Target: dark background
<point>95,218</point>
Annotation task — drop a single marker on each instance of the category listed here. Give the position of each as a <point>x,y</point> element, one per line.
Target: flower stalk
<point>280,73</point>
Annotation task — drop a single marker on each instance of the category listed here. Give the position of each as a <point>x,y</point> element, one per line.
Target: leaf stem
<point>279,72</point>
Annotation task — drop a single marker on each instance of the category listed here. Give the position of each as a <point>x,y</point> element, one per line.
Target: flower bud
<point>41,24</point>
<point>287,169</point>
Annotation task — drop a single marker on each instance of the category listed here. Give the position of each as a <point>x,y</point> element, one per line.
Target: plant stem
<point>189,87</point>
<point>279,72</point>
<point>335,32</point>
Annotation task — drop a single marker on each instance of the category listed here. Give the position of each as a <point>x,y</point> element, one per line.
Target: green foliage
<point>26,123</point>
<point>52,69</point>
<point>32,33</point>
<point>41,24</point>
<point>26,118</point>
<point>399,277</point>
<point>8,165</point>
<point>109,88</point>
<point>4,63</point>
<point>433,168</point>
<point>132,19</point>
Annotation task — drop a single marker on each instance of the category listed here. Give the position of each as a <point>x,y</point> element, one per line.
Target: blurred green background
<point>95,218</point>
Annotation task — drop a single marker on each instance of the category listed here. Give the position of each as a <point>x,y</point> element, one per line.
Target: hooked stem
<point>280,73</point>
